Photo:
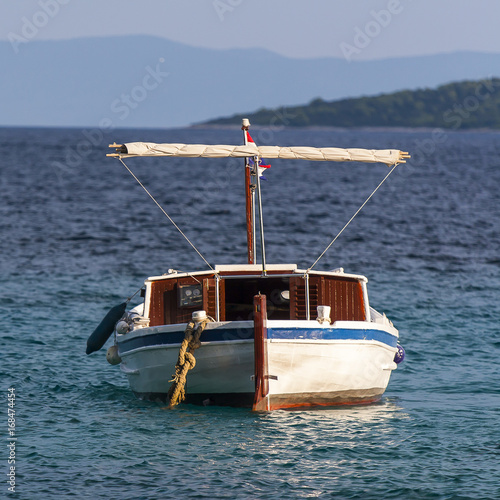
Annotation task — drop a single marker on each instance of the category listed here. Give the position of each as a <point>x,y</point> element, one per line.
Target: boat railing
<point>380,318</point>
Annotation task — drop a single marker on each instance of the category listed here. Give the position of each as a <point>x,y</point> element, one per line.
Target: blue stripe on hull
<point>332,334</point>
<point>231,334</point>
<point>167,338</point>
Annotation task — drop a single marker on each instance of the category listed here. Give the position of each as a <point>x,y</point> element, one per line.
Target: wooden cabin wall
<point>343,295</point>
<point>163,294</point>
<point>164,309</point>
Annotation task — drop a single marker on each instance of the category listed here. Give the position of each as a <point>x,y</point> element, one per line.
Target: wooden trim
<point>161,310</point>
<point>261,399</point>
<point>209,302</point>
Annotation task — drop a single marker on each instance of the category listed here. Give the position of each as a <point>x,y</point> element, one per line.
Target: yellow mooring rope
<point>186,361</point>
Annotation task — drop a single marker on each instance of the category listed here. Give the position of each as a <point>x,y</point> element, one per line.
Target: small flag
<point>249,137</point>
<point>261,168</point>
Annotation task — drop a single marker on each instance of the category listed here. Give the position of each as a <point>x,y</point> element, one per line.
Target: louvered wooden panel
<point>345,297</point>
<point>298,296</point>
<point>209,303</point>
<point>314,289</point>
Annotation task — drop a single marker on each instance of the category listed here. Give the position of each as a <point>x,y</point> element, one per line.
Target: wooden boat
<point>270,336</point>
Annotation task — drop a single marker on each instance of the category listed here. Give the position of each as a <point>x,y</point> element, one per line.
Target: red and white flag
<point>261,168</point>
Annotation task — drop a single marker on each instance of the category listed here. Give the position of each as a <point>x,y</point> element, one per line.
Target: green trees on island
<point>460,105</point>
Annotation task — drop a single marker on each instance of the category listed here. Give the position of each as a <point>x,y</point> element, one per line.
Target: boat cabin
<point>227,294</point>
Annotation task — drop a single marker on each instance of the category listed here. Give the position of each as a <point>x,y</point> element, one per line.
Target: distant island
<point>459,105</point>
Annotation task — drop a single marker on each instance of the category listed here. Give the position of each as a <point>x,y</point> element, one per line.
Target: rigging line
<point>352,218</point>
<point>132,296</point>
<point>166,215</point>
<point>176,271</point>
<point>191,276</point>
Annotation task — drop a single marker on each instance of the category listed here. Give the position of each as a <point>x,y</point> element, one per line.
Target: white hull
<point>302,371</point>
<point>220,368</point>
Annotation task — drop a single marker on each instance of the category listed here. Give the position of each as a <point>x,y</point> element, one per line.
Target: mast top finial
<point>245,123</point>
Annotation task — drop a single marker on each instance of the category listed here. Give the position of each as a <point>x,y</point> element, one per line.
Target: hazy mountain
<point>142,81</point>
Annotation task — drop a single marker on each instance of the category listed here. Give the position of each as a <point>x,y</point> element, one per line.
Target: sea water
<point>79,235</point>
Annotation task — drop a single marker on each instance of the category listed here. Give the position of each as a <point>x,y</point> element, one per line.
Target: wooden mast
<point>249,193</point>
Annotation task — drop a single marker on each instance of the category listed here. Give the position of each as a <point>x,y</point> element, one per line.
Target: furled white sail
<point>387,156</point>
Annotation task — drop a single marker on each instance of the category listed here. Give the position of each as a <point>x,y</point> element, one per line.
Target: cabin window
<point>239,294</point>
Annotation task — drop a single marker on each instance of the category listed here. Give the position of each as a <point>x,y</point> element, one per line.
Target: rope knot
<point>185,361</point>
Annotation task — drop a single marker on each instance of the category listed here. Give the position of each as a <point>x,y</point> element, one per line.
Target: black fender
<point>105,328</point>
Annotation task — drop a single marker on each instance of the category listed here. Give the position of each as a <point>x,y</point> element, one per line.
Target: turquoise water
<point>79,236</point>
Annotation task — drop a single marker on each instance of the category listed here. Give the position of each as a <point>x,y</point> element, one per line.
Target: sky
<point>360,30</point>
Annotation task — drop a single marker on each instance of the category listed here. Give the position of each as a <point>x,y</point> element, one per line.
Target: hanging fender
<point>105,328</point>
<point>400,354</point>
